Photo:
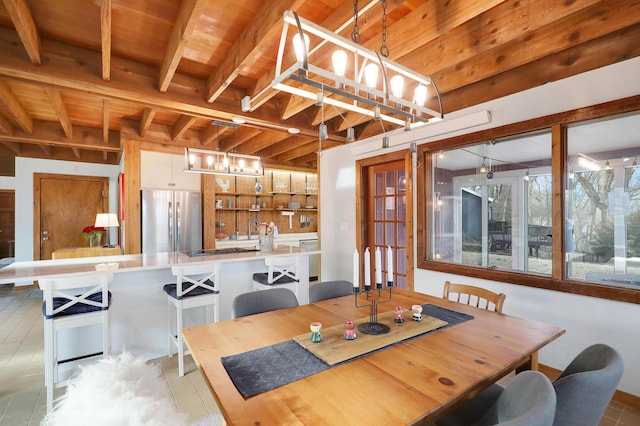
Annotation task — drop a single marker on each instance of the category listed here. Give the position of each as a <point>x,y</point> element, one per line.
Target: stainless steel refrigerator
<point>171,221</point>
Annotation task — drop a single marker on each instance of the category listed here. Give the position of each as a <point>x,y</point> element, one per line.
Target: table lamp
<point>107,220</point>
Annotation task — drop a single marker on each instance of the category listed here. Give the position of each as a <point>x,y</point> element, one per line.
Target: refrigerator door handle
<point>170,224</point>
<point>178,221</point>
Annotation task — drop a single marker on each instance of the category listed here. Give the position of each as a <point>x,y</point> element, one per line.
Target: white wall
<point>587,320</point>
<point>23,185</point>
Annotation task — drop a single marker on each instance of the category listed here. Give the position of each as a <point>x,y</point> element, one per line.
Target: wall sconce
<point>222,163</point>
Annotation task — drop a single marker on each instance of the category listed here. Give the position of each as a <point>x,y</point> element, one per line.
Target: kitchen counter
<point>139,305</point>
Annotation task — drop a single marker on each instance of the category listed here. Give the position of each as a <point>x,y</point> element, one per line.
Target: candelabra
<point>373,297</point>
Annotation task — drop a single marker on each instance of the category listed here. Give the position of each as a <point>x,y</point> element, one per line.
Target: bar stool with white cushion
<point>63,308</point>
<point>282,273</point>
<point>196,286</point>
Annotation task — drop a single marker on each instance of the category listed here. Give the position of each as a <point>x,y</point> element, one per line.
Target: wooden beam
<point>213,133</point>
<point>55,97</point>
<point>5,126</point>
<point>25,26</point>
<point>105,120</point>
<point>105,36</point>
<point>264,140</point>
<point>146,120</point>
<point>182,125</point>
<point>188,17</point>
<point>237,138</point>
<point>12,146</point>
<point>76,152</point>
<point>283,146</point>
<point>48,133</point>
<point>15,109</point>
<point>158,135</point>
<point>46,149</point>
<point>263,27</point>
<point>130,81</point>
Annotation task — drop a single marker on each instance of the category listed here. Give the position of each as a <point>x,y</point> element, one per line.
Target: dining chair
<point>329,290</point>
<point>256,302</point>
<point>282,271</point>
<point>73,302</point>
<point>528,400</point>
<point>474,296</point>
<point>585,388</point>
<point>196,286</point>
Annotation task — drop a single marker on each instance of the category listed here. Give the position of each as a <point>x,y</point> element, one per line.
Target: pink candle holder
<point>349,332</point>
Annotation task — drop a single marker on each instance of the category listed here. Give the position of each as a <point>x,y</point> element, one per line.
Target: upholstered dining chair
<point>196,286</point>
<point>282,271</point>
<point>585,388</point>
<point>528,400</point>
<point>474,296</point>
<point>256,302</point>
<point>73,302</point>
<point>329,290</point>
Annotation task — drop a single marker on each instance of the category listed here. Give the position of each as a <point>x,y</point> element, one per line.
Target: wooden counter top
<point>38,269</point>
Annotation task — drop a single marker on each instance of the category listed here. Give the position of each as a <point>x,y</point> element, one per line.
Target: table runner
<point>260,370</point>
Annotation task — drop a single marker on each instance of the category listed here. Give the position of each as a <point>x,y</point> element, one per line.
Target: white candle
<point>389,264</point>
<point>356,269</point>
<point>367,268</point>
<point>378,266</point>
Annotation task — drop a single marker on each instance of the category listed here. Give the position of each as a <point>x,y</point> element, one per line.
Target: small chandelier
<point>362,80</point>
<point>222,163</point>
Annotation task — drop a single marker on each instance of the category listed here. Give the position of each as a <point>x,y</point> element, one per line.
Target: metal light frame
<point>377,104</point>
<point>222,163</point>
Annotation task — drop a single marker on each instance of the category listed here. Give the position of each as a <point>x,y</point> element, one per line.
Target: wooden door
<point>64,206</point>
<point>7,223</point>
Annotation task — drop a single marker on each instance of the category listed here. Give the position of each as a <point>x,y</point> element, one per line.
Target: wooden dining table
<point>411,382</point>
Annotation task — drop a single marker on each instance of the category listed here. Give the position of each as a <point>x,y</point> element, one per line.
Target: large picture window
<point>557,206</point>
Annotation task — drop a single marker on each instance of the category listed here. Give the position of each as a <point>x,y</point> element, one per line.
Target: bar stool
<point>196,286</point>
<point>63,308</point>
<point>282,272</point>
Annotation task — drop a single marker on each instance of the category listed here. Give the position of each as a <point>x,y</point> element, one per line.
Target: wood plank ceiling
<point>76,76</point>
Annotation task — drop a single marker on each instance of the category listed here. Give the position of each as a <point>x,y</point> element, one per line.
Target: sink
<point>227,250</point>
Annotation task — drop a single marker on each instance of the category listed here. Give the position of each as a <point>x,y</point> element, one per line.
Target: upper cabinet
<point>166,171</point>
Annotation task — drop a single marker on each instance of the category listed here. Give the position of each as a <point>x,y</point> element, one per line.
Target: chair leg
<point>106,335</point>
<point>48,362</point>
<point>170,314</point>
<point>179,339</point>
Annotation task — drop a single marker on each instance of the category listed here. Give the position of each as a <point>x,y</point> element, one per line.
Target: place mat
<point>334,349</point>
<point>260,370</point>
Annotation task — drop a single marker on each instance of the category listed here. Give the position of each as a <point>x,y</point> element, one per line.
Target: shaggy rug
<point>211,420</point>
<point>121,390</point>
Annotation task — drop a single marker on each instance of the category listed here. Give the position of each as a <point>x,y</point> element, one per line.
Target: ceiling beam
<point>238,137</point>
<point>46,149</point>
<point>288,144</point>
<point>146,120</point>
<point>49,133</point>
<point>105,37</point>
<point>159,136</point>
<point>188,16</point>
<point>76,152</point>
<point>131,82</point>
<point>12,146</point>
<point>181,126</point>
<point>26,27</point>
<point>263,140</point>
<point>263,27</point>
<point>55,97</point>
<point>15,109</point>
<point>105,120</point>
<point>5,126</point>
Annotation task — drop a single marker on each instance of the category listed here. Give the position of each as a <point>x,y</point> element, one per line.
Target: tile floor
<point>22,392</point>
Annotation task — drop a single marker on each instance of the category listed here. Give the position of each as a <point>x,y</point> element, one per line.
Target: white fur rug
<point>118,391</point>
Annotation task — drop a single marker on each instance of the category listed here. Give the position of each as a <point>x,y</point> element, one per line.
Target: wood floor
<point>22,392</point>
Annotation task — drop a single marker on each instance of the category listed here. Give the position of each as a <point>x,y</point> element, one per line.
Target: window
<point>538,203</point>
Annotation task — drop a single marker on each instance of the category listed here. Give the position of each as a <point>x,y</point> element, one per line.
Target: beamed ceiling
<point>77,77</point>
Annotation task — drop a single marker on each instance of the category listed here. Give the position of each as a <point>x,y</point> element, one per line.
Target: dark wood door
<point>7,223</point>
<point>64,206</point>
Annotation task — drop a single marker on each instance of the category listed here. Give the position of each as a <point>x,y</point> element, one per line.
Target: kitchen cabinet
<point>276,196</point>
<point>159,170</point>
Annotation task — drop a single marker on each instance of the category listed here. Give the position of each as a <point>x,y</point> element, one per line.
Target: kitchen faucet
<point>253,223</point>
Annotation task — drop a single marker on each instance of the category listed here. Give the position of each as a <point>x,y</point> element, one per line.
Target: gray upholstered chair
<point>528,400</point>
<point>586,386</point>
<point>329,290</point>
<point>256,302</point>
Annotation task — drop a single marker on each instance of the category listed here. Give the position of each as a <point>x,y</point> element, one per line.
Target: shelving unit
<point>242,202</point>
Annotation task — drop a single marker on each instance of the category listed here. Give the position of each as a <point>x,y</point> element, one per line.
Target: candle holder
<point>374,297</point>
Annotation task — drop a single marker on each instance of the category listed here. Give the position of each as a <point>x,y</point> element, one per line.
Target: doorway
<point>386,206</point>
<point>63,206</point>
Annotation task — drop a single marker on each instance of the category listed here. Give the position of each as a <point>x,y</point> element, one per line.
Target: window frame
<point>557,123</point>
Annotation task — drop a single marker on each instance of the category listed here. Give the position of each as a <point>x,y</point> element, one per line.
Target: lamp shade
<point>106,220</point>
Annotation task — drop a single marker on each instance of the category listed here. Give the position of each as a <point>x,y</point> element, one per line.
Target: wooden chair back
<point>474,296</point>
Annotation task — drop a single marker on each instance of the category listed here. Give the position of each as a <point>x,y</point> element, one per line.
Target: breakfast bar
<point>139,305</point>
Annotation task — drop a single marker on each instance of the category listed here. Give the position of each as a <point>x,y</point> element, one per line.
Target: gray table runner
<point>260,370</point>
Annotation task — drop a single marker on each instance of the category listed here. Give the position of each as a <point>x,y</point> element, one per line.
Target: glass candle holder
<point>399,314</point>
<point>349,332</point>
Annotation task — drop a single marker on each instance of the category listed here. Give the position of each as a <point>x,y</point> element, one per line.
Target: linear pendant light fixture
<point>361,81</point>
<point>222,163</point>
